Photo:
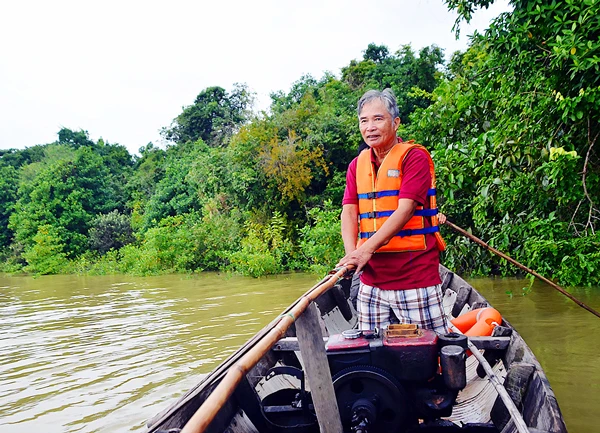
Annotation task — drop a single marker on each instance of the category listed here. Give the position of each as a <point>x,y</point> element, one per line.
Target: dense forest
<point>511,123</point>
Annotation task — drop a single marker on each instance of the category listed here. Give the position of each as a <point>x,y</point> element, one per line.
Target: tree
<point>110,231</point>
<point>65,194</point>
<point>75,139</point>
<point>513,131</point>
<point>376,53</point>
<point>403,72</point>
<point>213,118</point>
<point>175,193</point>
<point>8,196</point>
<point>291,166</point>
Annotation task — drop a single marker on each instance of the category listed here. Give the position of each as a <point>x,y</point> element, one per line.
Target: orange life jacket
<point>378,199</point>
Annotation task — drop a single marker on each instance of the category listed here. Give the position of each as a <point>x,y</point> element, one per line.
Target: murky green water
<point>104,354</point>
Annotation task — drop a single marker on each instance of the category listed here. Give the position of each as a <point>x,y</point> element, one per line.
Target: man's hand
<point>357,258</point>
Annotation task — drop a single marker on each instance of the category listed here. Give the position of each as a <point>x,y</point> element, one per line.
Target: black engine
<point>403,379</point>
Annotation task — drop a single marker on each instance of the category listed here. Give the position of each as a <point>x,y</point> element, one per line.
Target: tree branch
<point>583,178</point>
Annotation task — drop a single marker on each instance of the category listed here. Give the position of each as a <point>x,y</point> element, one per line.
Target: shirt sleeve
<point>416,178</point>
<point>351,192</point>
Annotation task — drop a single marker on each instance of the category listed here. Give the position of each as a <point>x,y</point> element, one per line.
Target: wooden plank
<point>516,383</point>
<point>490,343</point>
<point>539,405</point>
<point>517,418</point>
<point>474,403</point>
<point>317,371</point>
<point>290,344</point>
<point>241,424</point>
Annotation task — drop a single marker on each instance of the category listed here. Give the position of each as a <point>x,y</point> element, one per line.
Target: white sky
<point>122,69</point>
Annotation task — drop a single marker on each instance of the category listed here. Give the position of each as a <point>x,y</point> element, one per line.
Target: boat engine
<point>401,379</point>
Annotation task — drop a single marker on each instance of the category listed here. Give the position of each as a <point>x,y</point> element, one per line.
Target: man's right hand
<point>357,258</point>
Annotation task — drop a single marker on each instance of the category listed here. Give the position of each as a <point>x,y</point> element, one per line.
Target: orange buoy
<point>478,323</point>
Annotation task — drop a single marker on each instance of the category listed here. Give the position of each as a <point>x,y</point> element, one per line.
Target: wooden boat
<point>317,374</point>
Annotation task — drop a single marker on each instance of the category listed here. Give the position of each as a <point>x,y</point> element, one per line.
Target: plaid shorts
<point>378,308</point>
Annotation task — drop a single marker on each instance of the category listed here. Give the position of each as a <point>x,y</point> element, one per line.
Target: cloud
<point>124,69</point>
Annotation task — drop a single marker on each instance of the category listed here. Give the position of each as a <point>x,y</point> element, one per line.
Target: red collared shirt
<point>410,270</point>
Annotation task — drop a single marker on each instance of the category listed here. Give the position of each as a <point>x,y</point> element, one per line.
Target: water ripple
<point>102,355</point>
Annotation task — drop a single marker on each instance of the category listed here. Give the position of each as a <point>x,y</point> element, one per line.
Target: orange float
<point>478,323</point>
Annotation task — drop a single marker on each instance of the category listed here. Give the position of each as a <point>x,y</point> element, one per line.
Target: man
<point>389,207</point>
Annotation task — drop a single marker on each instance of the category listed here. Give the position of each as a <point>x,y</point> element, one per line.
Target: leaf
<point>485,191</point>
<point>573,50</point>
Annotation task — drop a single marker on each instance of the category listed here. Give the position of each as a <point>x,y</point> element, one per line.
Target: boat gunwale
<point>517,352</point>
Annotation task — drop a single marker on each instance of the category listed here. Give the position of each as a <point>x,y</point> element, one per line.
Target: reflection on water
<point>104,354</point>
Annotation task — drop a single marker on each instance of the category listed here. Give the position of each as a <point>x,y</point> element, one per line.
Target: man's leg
<point>422,307</point>
<point>373,308</point>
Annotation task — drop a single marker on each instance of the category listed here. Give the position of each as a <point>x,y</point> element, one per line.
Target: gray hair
<point>387,97</point>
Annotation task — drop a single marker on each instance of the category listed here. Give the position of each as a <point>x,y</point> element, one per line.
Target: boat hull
<point>477,407</point>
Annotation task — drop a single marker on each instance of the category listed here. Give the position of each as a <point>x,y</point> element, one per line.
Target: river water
<point>104,354</point>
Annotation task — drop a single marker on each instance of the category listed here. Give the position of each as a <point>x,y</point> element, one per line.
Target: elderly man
<point>390,224</point>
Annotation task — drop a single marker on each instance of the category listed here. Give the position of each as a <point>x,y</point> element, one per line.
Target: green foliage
<point>63,186</point>
<point>190,242</point>
<point>110,231</point>
<point>65,193</point>
<point>8,197</point>
<point>184,243</point>
<point>213,118</point>
<point>175,194</point>
<point>512,125</point>
<point>46,256</point>
<point>513,129</point>
<point>20,157</point>
<point>403,72</point>
<point>266,248</point>
<point>320,240</point>
<point>75,139</point>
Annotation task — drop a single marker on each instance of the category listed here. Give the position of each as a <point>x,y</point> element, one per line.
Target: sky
<point>123,69</point>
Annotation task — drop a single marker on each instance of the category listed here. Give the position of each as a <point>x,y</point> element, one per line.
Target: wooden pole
<point>316,368</point>
<point>519,265</point>
<point>508,402</point>
<point>211,406</point>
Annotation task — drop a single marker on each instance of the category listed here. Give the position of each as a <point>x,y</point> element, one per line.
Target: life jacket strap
<point>423,231</point>
<point>378,194</point>
<point>387,213</point>
<point>381,214</point>
<point>426,212</point>
<point>405,232</point>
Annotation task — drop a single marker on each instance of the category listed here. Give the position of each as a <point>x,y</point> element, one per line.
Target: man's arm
<point>360,256</point>
<point>349,227</point>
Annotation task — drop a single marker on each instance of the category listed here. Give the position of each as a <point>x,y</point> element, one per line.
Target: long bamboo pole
<point>221,370</point>
<point>523,267</point>
<point>211,406</point>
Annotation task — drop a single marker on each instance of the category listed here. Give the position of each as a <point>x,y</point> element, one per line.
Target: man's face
<point>376,125</point>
